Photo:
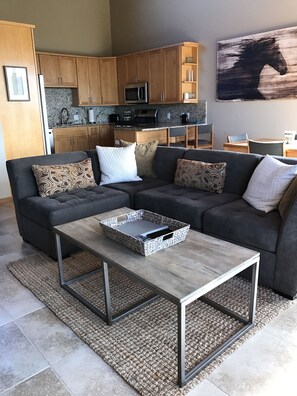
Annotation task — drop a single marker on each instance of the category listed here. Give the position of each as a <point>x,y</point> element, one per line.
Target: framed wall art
<point>16,79</point>
<point>260,66</point>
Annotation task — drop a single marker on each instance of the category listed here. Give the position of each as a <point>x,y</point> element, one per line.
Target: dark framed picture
<point>261,66</point>
<point>16,78</point>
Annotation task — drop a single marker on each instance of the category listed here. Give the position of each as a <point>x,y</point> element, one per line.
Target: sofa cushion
<point>117,164</point>
<point>269,181</point>
<point>201,175</point>
<point>72,205</point>
<point>165,162</point>
<point>144,155</point>
<point>239,222</point>
<point>240,166</point>
<point>53,179</point>
<point>288,198</point>
<point>182,203</point>
<point>134,187</point>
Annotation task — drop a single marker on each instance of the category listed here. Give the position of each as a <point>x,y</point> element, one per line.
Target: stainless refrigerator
<point>48,138</point>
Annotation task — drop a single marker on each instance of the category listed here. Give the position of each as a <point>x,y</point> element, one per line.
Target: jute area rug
<point>142,348</point>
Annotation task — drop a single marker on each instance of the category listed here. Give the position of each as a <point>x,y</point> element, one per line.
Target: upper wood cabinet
<point>20,122</point>
<point>132,69</point>
<point>173,73</point>
<point>89,86</point>
<point>108,79</point>
<point>97,81</point>
<point>58,70</point>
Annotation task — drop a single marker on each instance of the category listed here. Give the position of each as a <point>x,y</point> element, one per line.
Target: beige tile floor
<point>41,356</point>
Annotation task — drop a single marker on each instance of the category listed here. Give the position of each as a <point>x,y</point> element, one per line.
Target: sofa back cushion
<point>240,166</point>
<point>22,180</point>
<point>166,162</point>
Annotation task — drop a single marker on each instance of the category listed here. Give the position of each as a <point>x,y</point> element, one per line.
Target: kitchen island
<point>152,132</point>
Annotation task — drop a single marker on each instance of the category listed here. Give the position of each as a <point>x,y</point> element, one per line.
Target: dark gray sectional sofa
<point>226,216</point>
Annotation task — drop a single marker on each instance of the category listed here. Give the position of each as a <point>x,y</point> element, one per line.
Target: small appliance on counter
<point>91,116</point>
<point>146,116</point>
<point>114,118</point>
<point>184,118</point>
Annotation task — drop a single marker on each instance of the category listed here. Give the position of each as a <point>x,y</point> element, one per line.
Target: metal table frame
<point>109,318</point>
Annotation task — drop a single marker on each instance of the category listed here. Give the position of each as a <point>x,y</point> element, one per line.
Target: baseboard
<point>5,200</point>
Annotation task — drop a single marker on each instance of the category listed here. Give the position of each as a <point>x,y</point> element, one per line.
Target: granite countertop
<point>79,125</point>
<point>148,127</point>
<point>159,125</point>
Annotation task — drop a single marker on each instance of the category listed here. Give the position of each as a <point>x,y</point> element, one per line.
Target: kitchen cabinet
<point>131,69</point>
<point>100,135</point>
<point>139,136</point>
<point>20,123</point>
<point>88,78</point>
<point>173,74</point>
<point>108,80</point>
<point>58,70</point>
<point>97,82</point>
<point>71,139</point>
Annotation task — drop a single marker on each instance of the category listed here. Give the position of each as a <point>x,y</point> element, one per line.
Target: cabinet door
<point>62,140</point>
<point>122,77</point>
<point>94,137</point>
<point>80,143</point>
<point>67,71</point>
<point>83,81</point>
<point>108,79</point>
<point>142,67</point>
<point>94,81</point>
<point>106,136</point>
<point>49,67</point>
<point>156,80</point>
<point>131,69</point>
<point>172,73</point>
<point>88,76</point>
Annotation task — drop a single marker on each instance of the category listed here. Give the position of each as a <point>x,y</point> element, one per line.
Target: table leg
<point>181,309</point>
<point>108,309</point>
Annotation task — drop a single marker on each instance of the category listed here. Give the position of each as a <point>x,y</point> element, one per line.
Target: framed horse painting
<point>259,66</point>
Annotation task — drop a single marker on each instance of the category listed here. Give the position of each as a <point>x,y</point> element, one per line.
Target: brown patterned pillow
<point>144,155</point>
<point>201,175</point>
<point>52,179</point>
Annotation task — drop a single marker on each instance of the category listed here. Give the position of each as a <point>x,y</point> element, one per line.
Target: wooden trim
<point>5,200</point>
<point>74,55</point>
<point>18,24</point>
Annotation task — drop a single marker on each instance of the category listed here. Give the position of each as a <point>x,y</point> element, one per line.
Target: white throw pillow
<point>269,181</point>
<point>117,164</point>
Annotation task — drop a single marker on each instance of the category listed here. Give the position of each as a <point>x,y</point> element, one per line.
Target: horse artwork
<point>261,66</point>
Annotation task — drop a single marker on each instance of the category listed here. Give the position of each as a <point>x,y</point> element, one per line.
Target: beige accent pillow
<point>201,175</point>
<point>268,183</point>
<point>144,155</point>
<point>52,179</point>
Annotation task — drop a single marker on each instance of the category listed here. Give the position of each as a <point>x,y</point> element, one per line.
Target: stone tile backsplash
<point>59,98</point>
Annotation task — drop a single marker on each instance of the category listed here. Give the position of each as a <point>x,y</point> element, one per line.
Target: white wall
<point>143,24</point>
<point>4,182</point>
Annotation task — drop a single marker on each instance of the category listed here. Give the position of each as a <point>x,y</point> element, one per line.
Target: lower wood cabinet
<point>82,138</point>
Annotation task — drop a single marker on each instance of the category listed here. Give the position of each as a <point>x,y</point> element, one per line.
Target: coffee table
<point>181,274</point>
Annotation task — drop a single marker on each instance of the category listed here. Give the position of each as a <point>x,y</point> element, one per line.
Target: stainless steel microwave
<point>136,93</point>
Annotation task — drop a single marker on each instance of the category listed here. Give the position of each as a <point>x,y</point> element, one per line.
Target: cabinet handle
<point>61,80</point>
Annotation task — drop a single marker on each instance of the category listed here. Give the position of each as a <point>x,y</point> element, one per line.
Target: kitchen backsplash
<point>57,99</point>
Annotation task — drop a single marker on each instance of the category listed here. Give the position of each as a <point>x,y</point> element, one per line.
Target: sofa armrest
<point>285,276</point>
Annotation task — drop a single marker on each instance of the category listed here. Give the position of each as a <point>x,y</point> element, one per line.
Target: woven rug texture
<point>142,347</point>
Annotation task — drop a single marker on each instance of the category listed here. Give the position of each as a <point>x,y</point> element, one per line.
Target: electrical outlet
<point>168,116</point>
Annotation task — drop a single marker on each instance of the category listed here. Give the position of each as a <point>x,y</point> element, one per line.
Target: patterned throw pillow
<point>144,155</point>
<point>201,175</point>
<point>52,179</point>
